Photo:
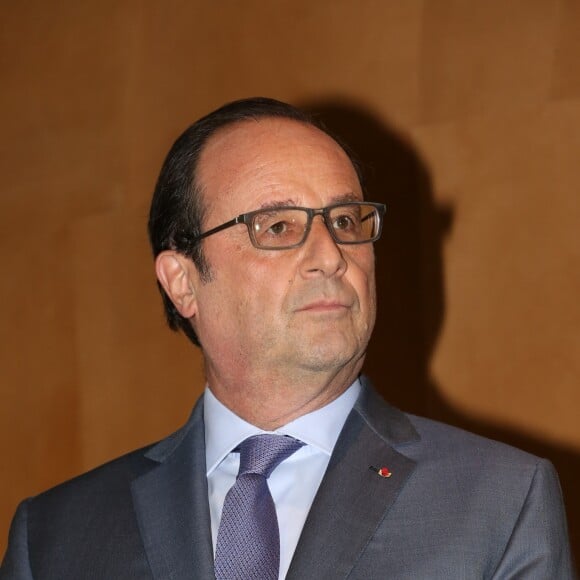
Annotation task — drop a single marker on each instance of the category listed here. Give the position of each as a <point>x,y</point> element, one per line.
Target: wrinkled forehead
<point>249,151</point>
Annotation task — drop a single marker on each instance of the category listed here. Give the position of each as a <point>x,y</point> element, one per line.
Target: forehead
<point>254,161</point>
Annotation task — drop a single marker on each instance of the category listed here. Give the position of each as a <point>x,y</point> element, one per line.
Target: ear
<point>175,273</point>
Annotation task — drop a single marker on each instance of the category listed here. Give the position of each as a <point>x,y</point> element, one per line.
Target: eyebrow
<point>346,197</point>
<point>289,202</point>
<point>279,203</point>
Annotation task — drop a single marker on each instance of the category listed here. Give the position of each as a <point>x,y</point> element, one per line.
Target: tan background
<point>468,114</point>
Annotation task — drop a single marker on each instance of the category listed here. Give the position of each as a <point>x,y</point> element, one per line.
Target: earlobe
<point>174,274</point>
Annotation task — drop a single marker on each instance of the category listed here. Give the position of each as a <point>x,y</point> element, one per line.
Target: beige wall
<point>468,112</point>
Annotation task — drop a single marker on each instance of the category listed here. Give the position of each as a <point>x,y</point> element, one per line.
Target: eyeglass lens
<point>283,227</point>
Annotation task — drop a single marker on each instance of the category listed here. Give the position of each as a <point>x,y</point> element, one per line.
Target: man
<point>264,256</point>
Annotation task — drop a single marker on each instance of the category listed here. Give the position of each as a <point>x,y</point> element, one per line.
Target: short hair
<point>178,209</point>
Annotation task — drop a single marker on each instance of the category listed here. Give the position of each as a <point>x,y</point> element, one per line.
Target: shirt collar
<point>224,430</point>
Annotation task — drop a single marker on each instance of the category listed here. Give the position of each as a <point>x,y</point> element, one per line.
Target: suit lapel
<point>172,505</point>
<point>353,499</point>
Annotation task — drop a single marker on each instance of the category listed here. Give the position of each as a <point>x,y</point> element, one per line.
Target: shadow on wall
<point>410,285</point>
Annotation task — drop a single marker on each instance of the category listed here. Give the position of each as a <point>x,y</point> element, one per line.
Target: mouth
<point>324,306</point>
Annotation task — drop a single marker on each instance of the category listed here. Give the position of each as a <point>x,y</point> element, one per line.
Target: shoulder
<point>442,440</point>
<point>98,508</point>
<point>92,509</point>
<point>446,451</point>
<point>466,468</point>
<point>113,479</point>
<point>107,484</point>
<point>455,460</point>
<point>432,442</point>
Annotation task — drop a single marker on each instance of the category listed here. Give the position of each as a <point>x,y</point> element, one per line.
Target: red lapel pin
<point>382,471</point>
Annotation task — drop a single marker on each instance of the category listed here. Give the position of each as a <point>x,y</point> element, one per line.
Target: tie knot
<point>261,454</point>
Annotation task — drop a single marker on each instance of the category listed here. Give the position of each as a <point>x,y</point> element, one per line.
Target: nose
<point>321,254</point>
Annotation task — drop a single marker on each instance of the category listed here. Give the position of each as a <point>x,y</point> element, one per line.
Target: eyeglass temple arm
<point>237,220</point>
<point>373,214</point>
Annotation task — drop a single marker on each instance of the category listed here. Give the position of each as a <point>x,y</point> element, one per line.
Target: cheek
<point>253,288</point>
<point>362,277</point>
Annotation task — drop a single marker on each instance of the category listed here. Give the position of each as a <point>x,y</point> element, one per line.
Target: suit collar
<point>224,430</point>
<point>353,499</point>
<point>172,506</point>
<point>390,424</point>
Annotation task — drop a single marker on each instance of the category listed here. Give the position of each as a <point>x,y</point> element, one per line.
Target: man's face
<point>310,308</point>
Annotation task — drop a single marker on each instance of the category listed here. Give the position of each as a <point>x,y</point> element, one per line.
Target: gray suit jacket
<point>456,506</point>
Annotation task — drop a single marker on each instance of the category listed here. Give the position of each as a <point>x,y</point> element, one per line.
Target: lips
<point>324,306</point>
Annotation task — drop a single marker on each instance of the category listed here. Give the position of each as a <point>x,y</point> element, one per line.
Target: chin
<point>322,357</point>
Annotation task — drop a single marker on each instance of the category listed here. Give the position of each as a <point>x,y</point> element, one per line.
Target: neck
<point>270,401</point>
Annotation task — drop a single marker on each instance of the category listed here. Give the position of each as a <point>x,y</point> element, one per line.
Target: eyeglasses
<point>287,227</point>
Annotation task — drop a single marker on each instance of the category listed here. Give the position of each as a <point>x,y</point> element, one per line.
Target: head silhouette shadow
<point>410,285</point>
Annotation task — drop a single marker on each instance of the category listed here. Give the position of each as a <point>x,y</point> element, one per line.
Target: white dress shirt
<point>294,483</point>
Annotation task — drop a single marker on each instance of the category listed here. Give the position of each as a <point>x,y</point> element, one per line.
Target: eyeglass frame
<point>246,219</point>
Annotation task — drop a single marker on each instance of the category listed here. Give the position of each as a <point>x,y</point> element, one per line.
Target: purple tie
<point>248,542</point>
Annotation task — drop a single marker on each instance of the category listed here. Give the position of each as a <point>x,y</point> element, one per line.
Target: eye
<point>344,222</point>
<point>277,223</point>
<point>278,228</point>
